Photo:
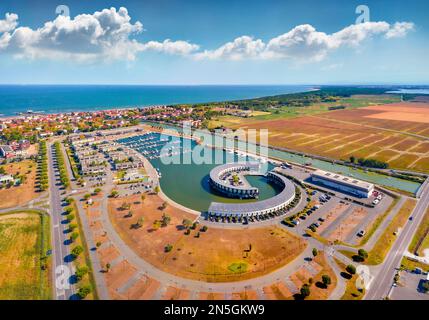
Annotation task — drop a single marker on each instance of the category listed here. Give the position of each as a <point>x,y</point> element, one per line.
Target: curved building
<point>271,205</point>
<point>221,180</point>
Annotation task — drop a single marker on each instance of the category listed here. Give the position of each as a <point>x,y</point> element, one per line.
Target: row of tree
<point>61,166</point>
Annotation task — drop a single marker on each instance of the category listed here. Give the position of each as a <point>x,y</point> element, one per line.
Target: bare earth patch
<point>210,257</point>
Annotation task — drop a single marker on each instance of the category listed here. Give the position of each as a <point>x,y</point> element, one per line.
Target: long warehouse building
<point>342,183</point>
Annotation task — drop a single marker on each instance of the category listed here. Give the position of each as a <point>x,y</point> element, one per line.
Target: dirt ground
<point>19,195</point>
<point>211,257</point>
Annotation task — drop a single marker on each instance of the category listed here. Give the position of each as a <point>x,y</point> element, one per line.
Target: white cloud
<point>399,30</point>
<point>170,47</point>
<point>109,35</point>
<point>104,35</point>
<point>240,48</point>
<point>305,43</point>
<point>10,22</point>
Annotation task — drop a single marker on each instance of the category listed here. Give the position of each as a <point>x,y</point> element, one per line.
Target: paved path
<point>59,237</point>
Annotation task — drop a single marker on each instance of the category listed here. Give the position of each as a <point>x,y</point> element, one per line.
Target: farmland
<point>396,133</point>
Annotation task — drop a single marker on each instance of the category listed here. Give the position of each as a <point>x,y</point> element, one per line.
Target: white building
<point>342,183</point>
<point>4,179</point>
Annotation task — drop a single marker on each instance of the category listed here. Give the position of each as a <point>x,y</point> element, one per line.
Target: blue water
<point>67,98</point>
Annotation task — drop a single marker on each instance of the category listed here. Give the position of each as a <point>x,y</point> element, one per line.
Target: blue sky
<point>392,48</point>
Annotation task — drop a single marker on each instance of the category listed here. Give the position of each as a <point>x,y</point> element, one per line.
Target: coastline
<point>137,96</point>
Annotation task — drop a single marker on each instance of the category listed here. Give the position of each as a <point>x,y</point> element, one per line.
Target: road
<point>383,281</point>
<point>63,290</point>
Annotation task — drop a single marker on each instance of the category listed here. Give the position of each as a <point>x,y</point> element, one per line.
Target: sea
<point>67,98</point>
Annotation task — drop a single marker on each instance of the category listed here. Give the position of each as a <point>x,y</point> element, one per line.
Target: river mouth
<point>188,183</point>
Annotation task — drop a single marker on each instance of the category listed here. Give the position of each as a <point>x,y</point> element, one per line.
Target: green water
<point>188,184</point>
<point>380,179</point>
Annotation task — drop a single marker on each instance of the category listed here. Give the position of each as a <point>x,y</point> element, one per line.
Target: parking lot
<point>410,287</point>
<point>337,216</point>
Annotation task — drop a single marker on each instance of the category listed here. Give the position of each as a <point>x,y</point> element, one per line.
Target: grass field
<point>237,255</point>
<point>420,240</point>
<point>24,239</point>
<point>386,240</point>
<point>362,130</point>
<point>19,195</point>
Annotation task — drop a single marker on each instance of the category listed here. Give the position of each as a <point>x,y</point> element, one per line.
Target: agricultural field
<point>396,133</point>
<point>24,239</point>
<point>26,191</point>
<point>238,255</point>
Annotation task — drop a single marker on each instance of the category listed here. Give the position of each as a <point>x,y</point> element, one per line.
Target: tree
<point>97,191</point>
<point>157,189</point>
<point>204,228</point>
<point>362,254</point>
<point>326,280</point>
<point>84,291</point>
<point>77,251</point>
<point>165,220</point>
<point>70,217</point>
<point>114,194</point>
<point>72,226</point>
<point>139,223</point>
<point>187,223</point>
<point>315,252</point>
<point>108,266</point>
<point>81,272</point>
<point>143,197</point>
<point>351,269</point>
<point>74,236</point>
<point>87,196</point>
<point>68,210</point>
<point>168,248</point>
<point>98,244</point>
<point>305,291</point>
<point>352,159</point>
